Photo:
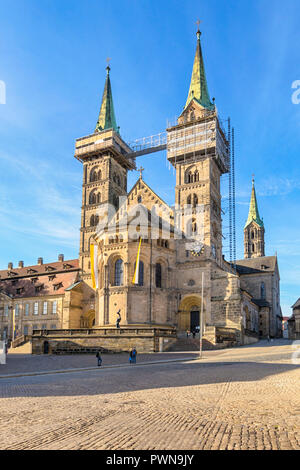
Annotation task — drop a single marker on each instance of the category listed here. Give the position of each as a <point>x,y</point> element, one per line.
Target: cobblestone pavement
<point>244,398</point>
<point>22,363</point>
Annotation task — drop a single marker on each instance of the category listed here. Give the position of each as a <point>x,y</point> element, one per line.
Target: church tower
<point>254,231</point>
<point>199,151</point>
<point>105,166</point>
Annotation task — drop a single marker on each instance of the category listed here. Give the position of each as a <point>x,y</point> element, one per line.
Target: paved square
<point>244,398</point>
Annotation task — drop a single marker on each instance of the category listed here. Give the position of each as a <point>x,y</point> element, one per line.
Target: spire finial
<point>108,66</point>
<point>198,22</point>
<point>253,179</point>
<point>141,169</point>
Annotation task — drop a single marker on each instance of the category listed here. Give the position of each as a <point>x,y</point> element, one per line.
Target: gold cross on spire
<point>198,22</point>
<point>108,61</point>
<point>141,169</point>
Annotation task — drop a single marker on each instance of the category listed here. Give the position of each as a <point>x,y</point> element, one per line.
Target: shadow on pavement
<point>135,378</point>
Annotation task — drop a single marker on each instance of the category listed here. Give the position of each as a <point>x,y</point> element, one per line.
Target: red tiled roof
<point>18,283</point>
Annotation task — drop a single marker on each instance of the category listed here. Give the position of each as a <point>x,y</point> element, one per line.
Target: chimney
<point>40,261</point>
<point>61,258</point>
<point>10,265</point>
<point>21,264</point>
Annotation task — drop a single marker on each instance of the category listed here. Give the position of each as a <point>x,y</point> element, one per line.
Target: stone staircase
<point>185,343</point>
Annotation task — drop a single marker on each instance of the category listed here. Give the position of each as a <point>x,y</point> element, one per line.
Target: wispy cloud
<point>40,205</point>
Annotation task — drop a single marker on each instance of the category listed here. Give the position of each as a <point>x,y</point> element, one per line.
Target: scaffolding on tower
<point>204,136</point>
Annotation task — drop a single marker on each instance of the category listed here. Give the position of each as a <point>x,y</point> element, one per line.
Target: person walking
<point>132,356</point>
<point>98,356</point>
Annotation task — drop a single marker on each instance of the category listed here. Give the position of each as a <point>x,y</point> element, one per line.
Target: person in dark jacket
<point>98,356</point>
<point>132,356</point>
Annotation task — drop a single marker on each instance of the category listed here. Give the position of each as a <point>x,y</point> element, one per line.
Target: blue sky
<point>53,58</point>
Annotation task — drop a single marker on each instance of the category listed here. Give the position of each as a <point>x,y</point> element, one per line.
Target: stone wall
<point>110,339</point>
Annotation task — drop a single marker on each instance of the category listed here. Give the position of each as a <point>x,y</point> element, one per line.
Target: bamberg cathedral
<point>160,270</point>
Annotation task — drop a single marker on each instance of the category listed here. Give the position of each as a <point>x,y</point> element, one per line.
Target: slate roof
<point>263,264</point>
<point>198,88</point>
<point>297,304</point>
<point>39,280</point>
<point>261,302</point>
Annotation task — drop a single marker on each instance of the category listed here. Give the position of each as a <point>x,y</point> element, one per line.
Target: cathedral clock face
<point>197,248</point>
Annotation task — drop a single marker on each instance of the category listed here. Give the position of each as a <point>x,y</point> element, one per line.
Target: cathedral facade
<point>183,280</point>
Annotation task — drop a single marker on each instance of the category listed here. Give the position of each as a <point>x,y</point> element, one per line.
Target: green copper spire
<point>198,88</point>
<point>107,119</point>
<point>253,211</point>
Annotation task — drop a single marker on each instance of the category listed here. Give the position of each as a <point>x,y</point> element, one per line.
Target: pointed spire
<point>198,87</point>
<point>253,211</point>
<point>107,119</point>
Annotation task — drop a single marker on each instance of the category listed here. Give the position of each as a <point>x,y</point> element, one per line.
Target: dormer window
<point>31,271</point>
<point>39,288</point>
<point>49,268</point>
<point>52,277</point>
<point>58,286</point>
<point>67,266</point>
<point>34,280</point>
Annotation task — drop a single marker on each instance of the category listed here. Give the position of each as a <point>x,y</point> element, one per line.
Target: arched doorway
<point>46,347</point>
<point>88,319</point>
<point>189,313</point>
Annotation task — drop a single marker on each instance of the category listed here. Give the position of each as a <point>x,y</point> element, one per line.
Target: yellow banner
<point>135,279</point>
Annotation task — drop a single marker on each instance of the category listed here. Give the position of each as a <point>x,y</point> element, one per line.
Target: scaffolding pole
<point>233,200</point>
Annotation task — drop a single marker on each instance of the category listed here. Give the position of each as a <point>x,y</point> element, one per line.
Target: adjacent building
<point>36,297</point>
<point>294,322</point>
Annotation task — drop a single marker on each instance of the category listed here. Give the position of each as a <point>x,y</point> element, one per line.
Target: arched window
<point>189,177</point>
<point>119,270</point>
<point>253,248</point>
<point>95,198</point>
<point>95,175</point>
<point>252,235</point>
<point>195,201</point>
<point>196,176</point>
<point>94,220</point>
<point>158,275</point>
<point>263,290</point>
<point>189,200</point>
<point>141,273</point>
